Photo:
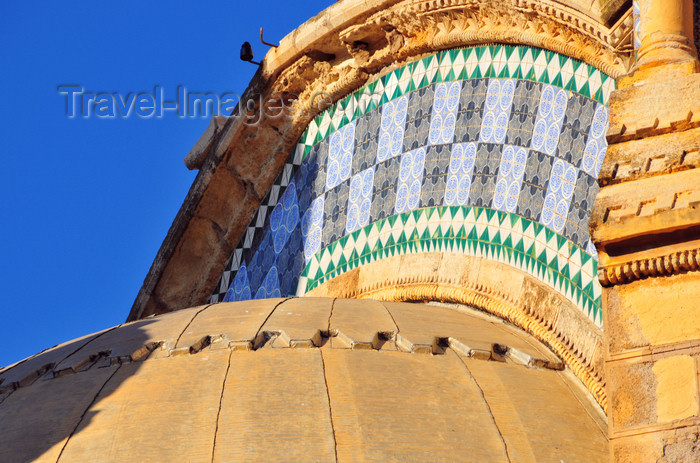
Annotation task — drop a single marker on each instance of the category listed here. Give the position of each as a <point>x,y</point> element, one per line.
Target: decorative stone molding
<point>414,28</point>
<point>652,126</point>
<point>489,286</point>
<point>647,226</point>
<point>646,158</point>
<point>280,339</point>
<point>678,262</point>
<point>546,24</point>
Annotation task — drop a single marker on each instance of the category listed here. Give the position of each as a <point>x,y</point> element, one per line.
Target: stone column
<point>666,34</point>
<point>646,225</point>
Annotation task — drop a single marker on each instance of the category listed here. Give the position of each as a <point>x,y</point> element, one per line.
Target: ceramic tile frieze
<point>481,232</point>
<point>508,134</point>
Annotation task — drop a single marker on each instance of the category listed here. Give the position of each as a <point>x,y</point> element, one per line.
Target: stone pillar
<point>666,34</point>
<point>646,225</point>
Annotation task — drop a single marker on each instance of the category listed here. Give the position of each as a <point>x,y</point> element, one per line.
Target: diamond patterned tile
<point>463,149</point>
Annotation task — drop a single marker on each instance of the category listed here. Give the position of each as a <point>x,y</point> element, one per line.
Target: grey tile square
<point>488,159</point>
<point>470,111</point>
<point>308,185</point>
<point>585,192</point>
<point>526,100</point>
<point>531,201</point>
<point>576,226</point>
<point>320,153</point>
<point>290,263</point>
<point>366,141</point>
<point>437,161</point>
<point>520,127</point>
<point>579,113</point>
<point>538,169</point>
<point>261,259</point>
<point>335,210</point>
<point>572,144</point>
<point>535,182</point>
<point>384,189</point>
<point>417,128</point>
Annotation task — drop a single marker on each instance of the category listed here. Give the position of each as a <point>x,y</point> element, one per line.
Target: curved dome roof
<point>302,379</point>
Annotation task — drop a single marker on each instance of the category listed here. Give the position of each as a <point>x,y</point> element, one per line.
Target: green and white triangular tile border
<point>473,231</point>
<point>502,61</point>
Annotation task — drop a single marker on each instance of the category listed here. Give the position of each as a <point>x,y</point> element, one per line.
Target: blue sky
<point>86,202</point>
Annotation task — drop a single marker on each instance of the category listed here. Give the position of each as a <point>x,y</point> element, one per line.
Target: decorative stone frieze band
<point>670,264</point>
<point>501,289</point>
<point>490,300</point>
<point>545,24</point>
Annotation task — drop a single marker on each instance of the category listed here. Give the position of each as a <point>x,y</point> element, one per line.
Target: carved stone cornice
<point>542,23</point>
<point>674,263</point>
<point>661,155</point>
<point>643,111</point>
<point>647,224</point>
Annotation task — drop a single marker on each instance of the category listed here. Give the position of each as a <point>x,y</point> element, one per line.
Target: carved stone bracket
<point>670,264</point>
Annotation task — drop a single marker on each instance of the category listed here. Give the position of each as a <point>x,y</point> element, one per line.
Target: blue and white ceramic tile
<point>410,181</point>
<point>499,102</point>
<point>561,188</point>
<point>312,228</point>
<point>444,114</point>
<point>340,149</point>
<point>525,144</point>
<point>459,178</point>
<point>550,115</point>
<point>510,178</point>
<point>359,200</point>
<point>596,146</point>
<point>270,286</point>
<point>392,129</point>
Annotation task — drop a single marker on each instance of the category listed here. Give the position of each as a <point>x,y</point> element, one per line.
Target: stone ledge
<point>489,286</point>
<point>648,157</point>
<point>651,108</point>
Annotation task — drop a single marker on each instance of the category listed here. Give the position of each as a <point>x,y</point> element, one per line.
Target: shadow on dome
<point>49,400</point>
<point>301,379</point>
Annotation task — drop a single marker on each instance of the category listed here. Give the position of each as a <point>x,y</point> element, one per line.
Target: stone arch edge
<point>492,287</point>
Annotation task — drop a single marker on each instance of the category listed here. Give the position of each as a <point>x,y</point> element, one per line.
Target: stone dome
<point>300,379</point>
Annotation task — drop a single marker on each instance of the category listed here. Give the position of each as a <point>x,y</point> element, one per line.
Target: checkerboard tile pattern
<point>497,61</point>
<point>514,134</point>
